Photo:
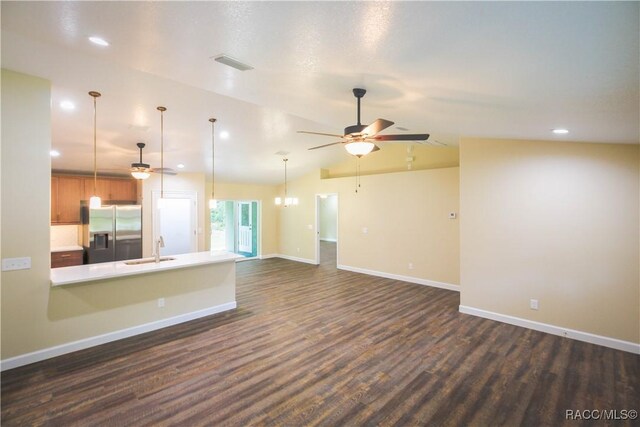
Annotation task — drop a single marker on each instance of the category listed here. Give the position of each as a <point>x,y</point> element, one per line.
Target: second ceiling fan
<point>141,170</point>
<point>360,139</point>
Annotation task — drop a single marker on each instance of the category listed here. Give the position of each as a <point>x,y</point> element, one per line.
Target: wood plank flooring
<point>312,345</point>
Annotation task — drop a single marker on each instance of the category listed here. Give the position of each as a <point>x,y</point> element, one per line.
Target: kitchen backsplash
<point>65,235</point>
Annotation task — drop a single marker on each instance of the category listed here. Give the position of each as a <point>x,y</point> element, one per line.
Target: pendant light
<point>288,201</point>
<point>161,200</point>
<point>212,201</point>
<point>94,201</point>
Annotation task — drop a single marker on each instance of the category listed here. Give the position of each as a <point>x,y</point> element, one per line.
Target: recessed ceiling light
<point>54,153</point>
<point>224,134</point>
<point>98,40</point>
<point>180,166</point>
<point>560,131</point>
<point>67,105</point>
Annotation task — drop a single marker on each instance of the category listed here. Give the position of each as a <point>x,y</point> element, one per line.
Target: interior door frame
<point>175,194</point>
<point>258,220</point>
<point>318,197</point>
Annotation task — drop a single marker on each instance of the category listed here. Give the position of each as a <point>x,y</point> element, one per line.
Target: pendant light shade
<point>359,148</point>
<point>161,200</point>
<point>212,200</point>
<point>95,201</point>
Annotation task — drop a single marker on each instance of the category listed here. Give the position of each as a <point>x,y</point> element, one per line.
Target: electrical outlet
<point>23,263</point>
<point>365,230</point>
<point>160,302</point>
<point>410,266</point>
<point>533,304</point>
<point>310,227</point>
<point>297,249</point>
<point>452,215</point>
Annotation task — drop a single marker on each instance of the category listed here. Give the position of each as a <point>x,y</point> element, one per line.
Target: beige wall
<point>180,182</point>
<point>265,194</point>
<point>36,316</point>
<point>557,222</point>
<point>406,216</point>
<point>26,140</point>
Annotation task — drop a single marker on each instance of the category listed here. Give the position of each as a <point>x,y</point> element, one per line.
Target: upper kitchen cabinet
<point>66,192</point>
<point>120,189</point>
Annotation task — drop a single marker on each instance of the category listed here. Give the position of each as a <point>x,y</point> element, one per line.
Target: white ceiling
<point>493,69</point>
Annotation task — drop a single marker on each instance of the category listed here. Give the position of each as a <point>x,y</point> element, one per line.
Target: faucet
<point>159,243</point>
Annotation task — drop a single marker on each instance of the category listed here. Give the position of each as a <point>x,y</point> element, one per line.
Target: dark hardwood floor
<point>312,345</point>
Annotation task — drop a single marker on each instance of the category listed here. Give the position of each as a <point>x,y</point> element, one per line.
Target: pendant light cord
<point>95,148</point>
<point>162,110</point>
<point>213,159</point>
<point>95,96</point>
<point>285,181</point>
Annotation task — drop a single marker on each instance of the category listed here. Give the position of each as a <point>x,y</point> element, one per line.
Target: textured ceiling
<point>493,69</point>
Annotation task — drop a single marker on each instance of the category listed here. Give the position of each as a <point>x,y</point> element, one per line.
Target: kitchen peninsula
<point>89,305</point>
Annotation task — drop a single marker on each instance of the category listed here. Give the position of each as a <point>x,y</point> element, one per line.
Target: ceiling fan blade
<point>319,133</point>
<point>405,137</point>
<point>377,126</point>
<point>164,171</point>
<point>375,148</point>
<point>325,145</point>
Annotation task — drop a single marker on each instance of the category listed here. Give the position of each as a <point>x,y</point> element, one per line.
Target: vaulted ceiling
<point>492,69</point>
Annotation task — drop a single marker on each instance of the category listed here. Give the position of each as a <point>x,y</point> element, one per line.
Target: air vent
<point>281,153</point>
<point>231,62</point>
<point>401,128</point>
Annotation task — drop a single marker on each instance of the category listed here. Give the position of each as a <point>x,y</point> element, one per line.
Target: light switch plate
<point>9,264</point>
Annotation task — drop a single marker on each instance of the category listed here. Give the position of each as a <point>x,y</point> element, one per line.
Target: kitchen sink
<point>148,260</point>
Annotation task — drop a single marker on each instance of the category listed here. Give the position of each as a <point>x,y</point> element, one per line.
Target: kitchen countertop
<point>66,248</point>
<point>109,270</point>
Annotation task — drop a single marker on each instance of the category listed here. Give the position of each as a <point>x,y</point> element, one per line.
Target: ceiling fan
<point>360,139</point>
<point>141,170</point>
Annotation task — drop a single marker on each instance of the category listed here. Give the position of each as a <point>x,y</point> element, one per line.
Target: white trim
<point>48,353</point>
<point>554,330</point>
<point>324,239</point>
<point>409,279</point>
<point>245,258</point>
<point>267,256</point>
<point>293,258</point>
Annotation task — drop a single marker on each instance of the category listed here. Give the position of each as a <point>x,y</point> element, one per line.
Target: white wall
<point>557,222</point>
<point>329,218</point>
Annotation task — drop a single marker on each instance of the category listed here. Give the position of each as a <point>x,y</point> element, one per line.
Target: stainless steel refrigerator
<point>111,232</point>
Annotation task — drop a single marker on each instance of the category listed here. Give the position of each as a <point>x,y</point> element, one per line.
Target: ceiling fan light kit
<point>359,140</point>
<point>140,170</point>
<point>94,201</point>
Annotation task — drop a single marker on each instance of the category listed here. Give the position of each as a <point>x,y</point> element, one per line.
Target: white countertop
<point>108,270</point>
<point>66,248</point>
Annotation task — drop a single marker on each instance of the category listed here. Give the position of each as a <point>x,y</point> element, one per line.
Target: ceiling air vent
<point>231,62</point>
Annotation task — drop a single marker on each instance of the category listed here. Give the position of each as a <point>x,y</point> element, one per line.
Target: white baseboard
<point>554,330</point>
<point>409,279</point>
<point>48,353</point>
<point>267,256</point>
<point>292,258</point>
<point>326,239</point>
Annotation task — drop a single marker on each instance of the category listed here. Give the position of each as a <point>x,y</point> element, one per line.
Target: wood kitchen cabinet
<point>112,189</point>
<point>66,192</point>
<point>66,258</point>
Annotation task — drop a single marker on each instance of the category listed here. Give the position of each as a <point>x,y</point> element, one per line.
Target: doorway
<point>327,228</point>
<point>235,227</point>
<point>176,221</point>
